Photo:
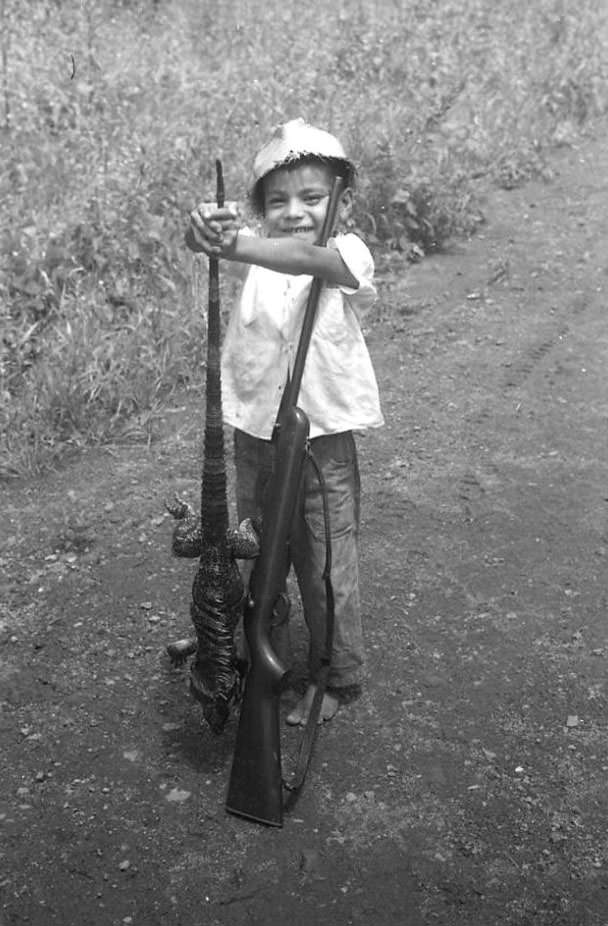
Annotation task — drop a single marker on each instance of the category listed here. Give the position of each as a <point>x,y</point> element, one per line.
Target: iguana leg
<point>187,540</point>
<point>187,536</point>
<point>180,650</point>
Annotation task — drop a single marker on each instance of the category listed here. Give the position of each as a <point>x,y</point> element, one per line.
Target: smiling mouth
<point>299,231</point>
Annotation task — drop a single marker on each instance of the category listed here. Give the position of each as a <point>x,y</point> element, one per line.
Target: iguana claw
<point>179,651</point>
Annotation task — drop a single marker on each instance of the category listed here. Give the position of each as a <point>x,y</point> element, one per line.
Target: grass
<point>111,117</point>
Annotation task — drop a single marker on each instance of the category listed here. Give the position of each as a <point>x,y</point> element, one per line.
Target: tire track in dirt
<point>540,349</point>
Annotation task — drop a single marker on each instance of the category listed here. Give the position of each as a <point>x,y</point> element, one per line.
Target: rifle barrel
<point>292,389</point>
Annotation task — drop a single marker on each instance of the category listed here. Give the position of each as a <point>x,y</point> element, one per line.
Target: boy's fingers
<point>198,221</point>
<point>214,229</point>
<point>205,229</point>
<point>210,212</point>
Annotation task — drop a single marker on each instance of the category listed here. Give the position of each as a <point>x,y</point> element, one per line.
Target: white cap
<point>295,140</point>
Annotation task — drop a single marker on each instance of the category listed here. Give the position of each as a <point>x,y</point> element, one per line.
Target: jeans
<point>336,456</point>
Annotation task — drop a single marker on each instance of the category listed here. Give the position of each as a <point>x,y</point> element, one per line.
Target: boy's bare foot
<point>299,715</point>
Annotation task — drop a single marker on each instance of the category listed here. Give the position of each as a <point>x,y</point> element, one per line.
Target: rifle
<point>255,787</point>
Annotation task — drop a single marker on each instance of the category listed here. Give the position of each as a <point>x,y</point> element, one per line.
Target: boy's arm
<point>216,232</point>
<point>288,255</point>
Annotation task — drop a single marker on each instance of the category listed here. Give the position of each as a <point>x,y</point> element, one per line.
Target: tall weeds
<point>111,116</point>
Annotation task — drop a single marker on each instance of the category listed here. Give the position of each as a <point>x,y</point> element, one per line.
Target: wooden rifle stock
<point>255,789</point>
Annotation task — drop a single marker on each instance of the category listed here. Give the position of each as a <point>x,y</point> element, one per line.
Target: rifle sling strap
<point>312,722</point>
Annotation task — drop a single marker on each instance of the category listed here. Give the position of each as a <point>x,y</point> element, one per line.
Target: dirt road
<point>468,784</point>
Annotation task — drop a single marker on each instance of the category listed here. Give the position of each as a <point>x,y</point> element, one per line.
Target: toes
<point>299,715</point>
<point>295,718</point>
<point>329,708</point>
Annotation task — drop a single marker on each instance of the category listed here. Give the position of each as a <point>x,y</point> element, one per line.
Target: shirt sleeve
<point>357,257</point>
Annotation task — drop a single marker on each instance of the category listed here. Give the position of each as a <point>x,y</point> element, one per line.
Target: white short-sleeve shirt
<point>339,391</point>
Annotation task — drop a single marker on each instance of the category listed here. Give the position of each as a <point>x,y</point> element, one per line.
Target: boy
<point>293,176</point>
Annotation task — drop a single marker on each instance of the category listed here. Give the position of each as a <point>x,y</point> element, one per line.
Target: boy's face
<point>296,199</point>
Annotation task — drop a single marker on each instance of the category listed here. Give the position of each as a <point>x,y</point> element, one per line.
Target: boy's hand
<point>213,230</point>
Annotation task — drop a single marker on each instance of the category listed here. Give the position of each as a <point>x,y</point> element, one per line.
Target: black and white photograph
<point>303,463</point>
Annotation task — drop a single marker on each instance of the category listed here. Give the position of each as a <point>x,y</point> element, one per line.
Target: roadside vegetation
<point>112,115</point>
